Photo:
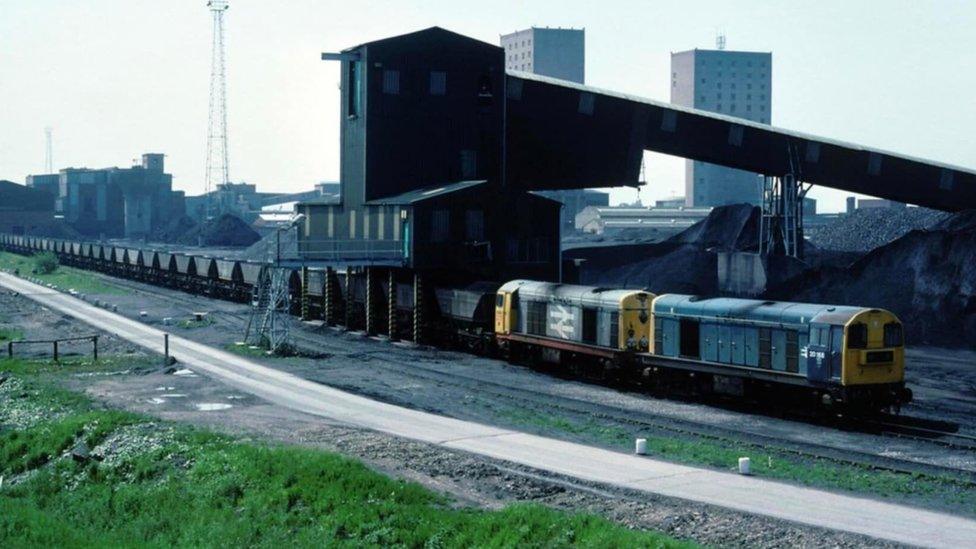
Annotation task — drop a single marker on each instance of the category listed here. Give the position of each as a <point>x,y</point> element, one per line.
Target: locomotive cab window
<point>857,336</point>
<point>893,335</point>
<point>500,301</point>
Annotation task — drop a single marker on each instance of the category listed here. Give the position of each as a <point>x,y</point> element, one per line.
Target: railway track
<point>641,422</point>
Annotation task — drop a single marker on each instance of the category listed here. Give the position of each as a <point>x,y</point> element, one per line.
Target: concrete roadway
<point>873,518</point>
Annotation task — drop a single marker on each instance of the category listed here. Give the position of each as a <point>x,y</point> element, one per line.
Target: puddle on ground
<point>157,400</point>
<point>185,372</point>
<point>212,406</point>
<point>173,395</point>
<point>165,388</point>
<point>235,397</point>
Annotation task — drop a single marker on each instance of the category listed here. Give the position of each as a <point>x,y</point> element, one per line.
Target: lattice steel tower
<point>217,169</point>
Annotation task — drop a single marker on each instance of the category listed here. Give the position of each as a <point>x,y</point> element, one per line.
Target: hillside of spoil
<point>226,230</point>
<point>866,229</point>
<point>684,263</point>
<point>926,277</point>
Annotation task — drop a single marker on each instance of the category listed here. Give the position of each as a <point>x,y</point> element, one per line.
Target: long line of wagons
<point>819,355</point>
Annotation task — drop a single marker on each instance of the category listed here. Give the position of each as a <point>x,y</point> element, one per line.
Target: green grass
<point>11,334</point>
<point>64,277</point>
<point>195,488</point>
<point>192,323</point>
<point>769,463</point>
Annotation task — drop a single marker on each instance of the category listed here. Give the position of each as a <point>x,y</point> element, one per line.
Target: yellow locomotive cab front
<point>874,351</point>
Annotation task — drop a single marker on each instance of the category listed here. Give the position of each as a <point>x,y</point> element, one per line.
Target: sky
<point>115,79</point>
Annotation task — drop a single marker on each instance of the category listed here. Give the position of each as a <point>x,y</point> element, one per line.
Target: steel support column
<point>391,309</point>
<point>305,296</point>
<point>370,301</point>
<point>349,298</point>
<point>328,297</point>
<point>418,309</point>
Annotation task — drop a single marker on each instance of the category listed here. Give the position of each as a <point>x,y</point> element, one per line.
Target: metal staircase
<point>268,324</point>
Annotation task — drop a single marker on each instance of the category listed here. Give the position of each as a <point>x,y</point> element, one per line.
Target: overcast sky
<point>119,78</point>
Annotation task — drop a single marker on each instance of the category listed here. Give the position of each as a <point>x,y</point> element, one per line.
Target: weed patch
<point>161,484</point>
<point>64,277</point>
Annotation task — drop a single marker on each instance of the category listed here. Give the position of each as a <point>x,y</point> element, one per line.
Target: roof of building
<point>419,195</point>
<point>546,109</point>
<point>434,31</point>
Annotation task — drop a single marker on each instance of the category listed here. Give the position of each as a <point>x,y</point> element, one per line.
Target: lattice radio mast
<point>48,150</point>
<point>217,131</point>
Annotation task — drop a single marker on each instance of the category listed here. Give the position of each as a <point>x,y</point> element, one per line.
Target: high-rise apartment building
<point>733,83</point>
<point>558,53</point>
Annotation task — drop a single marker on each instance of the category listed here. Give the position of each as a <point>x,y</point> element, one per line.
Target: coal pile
<point>176,229</point>
<point>226,230</point>
<point>685,263</point>
<point>267,249</point>
<point>926,277</point>
<point>865,230</point>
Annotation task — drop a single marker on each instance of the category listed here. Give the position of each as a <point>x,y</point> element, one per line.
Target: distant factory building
<point>558,53</point>
<point>25,211</point>
<point>648,223</point>
<point>733,83</point>
<point>115,202</point>
<point>575,201</point>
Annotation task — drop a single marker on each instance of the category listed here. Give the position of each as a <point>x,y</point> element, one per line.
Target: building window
<point>732,107</point>
<point>749,107</point>
<point>762,107</point>
<point>748,97</point>
<point>733,97</point>
<point>762,96</point>
<point>719,85</point>
<point>748,86</point>
<point>718,96</point>
<point>763,119</point>
<point>733,85</point>
<point>440,225</point>
<point>703,81</point>
<point>674,75</point>
<point>474,225</point>
<point>355,88</point>
<point>469,164</point>
<point>586,101</point>
<point>719,107</point>
<point>438,82</point>
<point>702,98</point>
<point>734,75</point>
<point>391,82</point>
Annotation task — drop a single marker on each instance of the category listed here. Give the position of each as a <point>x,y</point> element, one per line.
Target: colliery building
<point>26,211</point>
<point>422,167</point>
<point>114,202</point>
<point>647,223</point>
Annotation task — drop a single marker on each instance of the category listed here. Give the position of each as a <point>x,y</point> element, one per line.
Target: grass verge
<point>162,484</point>
<point>945,491</point>
<point>11,334</point>
<point>64,277</point>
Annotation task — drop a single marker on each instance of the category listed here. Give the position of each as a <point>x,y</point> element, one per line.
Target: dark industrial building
<point>25,211</point>
<point>422,167</point>
<point>114,202</point>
